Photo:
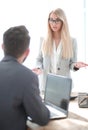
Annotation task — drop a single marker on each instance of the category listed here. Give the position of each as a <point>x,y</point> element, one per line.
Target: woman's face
<point>55,23</point>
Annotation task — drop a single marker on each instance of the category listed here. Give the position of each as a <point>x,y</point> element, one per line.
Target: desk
<point>82,113</point>
<point>77,119</point>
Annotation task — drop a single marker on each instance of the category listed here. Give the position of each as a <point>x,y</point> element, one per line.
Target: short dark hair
<point>16,40</point>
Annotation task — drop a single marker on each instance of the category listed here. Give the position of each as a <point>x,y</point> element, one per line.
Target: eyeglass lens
<point>54,20</point>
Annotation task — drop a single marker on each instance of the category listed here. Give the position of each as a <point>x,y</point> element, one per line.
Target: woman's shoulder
<point>41,39</point>
<point>74,41</point>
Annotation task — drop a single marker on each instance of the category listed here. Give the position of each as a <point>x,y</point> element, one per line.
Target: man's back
<point>19,86</point>
<point>18,93</point>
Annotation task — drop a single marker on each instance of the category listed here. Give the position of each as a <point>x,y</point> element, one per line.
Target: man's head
<point>16,41</point>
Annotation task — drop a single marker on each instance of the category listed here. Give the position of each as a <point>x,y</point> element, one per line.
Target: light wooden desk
<point>77,119</point>
<point>80,112</point>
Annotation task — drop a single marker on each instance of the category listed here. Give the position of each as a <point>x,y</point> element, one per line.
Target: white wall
<point>34,13</point>
<point>86,26</point>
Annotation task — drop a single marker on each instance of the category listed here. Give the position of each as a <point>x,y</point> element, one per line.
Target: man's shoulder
<point>27,70</point>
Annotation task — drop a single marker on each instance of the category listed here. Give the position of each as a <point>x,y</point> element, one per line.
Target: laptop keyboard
<point>53,111</point>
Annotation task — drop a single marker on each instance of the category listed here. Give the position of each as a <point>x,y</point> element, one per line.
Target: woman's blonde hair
<point>67,51</point>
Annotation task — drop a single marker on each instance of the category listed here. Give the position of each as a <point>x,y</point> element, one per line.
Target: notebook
<point>57,95</point>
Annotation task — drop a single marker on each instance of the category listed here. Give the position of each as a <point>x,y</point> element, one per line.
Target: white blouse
<point>55,58</point>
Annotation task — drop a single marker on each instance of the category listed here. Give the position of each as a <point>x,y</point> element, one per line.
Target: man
<point>19,86</point>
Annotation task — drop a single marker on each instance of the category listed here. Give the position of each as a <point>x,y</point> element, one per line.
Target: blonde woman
<point>58,52</point>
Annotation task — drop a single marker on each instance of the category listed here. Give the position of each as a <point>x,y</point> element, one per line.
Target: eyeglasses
<point>51,20</point>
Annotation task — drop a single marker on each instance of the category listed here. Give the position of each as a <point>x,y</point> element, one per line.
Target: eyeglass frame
<point>56,21</point>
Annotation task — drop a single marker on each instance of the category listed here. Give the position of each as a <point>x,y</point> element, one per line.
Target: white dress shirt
<point>55,58</point>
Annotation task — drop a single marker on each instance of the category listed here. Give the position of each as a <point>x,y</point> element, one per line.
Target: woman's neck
<point>57,38</point>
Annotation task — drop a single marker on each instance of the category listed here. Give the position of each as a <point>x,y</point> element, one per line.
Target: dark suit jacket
<point>19,96</point>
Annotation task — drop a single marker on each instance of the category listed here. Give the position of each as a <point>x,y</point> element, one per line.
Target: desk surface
<point>74,108</point>
<point>77,119</point>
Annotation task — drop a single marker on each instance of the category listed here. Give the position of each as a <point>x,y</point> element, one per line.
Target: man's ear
<point>25,55</point>
<point>22,58</point>
<point>2,46</point>
<point>27,52</point>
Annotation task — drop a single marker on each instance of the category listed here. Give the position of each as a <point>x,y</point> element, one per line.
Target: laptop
<point>57,95</point>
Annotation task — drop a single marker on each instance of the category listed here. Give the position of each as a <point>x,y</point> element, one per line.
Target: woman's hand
<point>80,64</point>
<point>38,71</point>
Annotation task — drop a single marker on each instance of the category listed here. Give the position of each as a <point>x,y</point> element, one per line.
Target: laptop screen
<point>58,90</point>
